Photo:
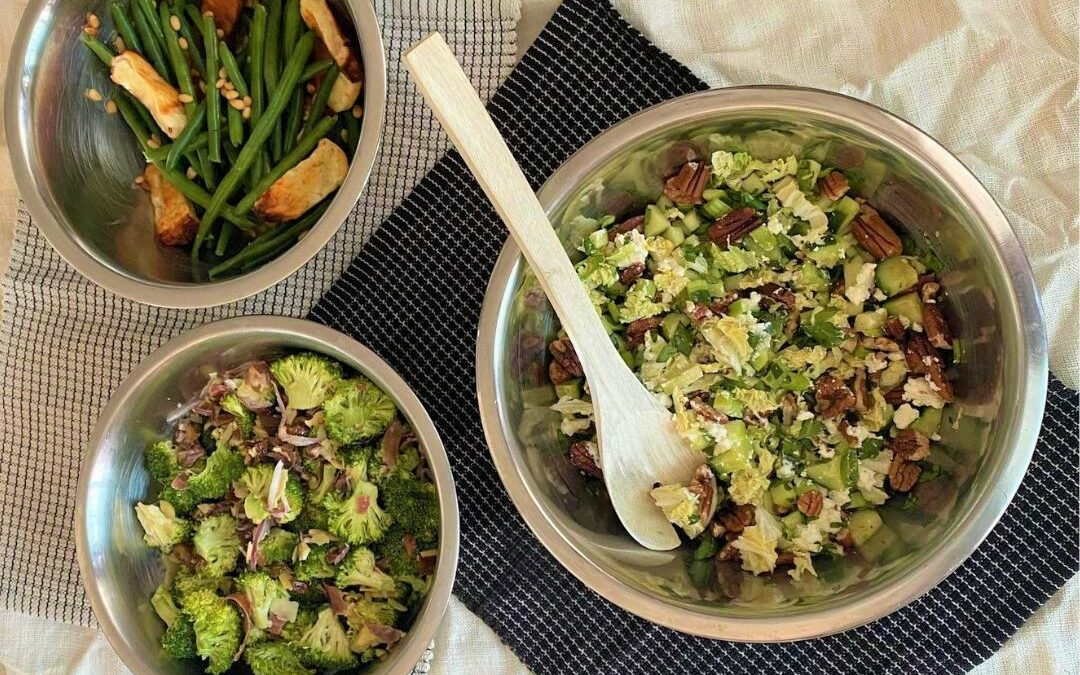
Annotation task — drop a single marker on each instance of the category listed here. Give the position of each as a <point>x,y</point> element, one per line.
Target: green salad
<point>296,519</point>
<point>799,341</point>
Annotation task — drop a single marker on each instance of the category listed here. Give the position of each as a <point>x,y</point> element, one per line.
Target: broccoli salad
<point>799,341</point>
<point>296,518</point>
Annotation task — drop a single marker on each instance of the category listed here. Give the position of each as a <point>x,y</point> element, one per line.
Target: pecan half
<point>895,396</point>
<point>635,332</point>
<point>728,553</point>
<point>557,374</point>
<point>628,275</point>
<point>773,294</point>
<point>634,223</point>
<point>785,558</point>
<point>698,313</point>
<point>833,185</point>
<point>810,503</point>
<point>875,235</point>
<point>733,227</point>
<point>583,461</point>
<point>833,396</point>
<point>894,328</point>
<point>935,325</point>
<point>686,185</point>
<point>861,391</point>
<point>910,445</point>
<point>922,357</point>
<point>704,486</point>
<point>737,520</point>
<point>789,408</point>
<point>708,412</point>
<point>562,352</point>
<point>844,538</point>
<point>903,475</point>
<point>929,290</point>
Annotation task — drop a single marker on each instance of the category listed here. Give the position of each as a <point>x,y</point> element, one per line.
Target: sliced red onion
<point>387,635</point>
<point>253,547</point>
<point>338,603</point>
<point>298,441</point>
<point>244,604</point>
<point>181,480</point>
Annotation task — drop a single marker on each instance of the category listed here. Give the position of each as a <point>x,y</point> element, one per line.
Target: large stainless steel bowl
<point>74,164</point>
<point>987,439</point>
<point>120,572</point>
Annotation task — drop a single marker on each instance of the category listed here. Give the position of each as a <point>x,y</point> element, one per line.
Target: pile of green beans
<point>251,116</point>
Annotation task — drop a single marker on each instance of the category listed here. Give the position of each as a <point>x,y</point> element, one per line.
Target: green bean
<point>235,120</point>
<point>270,243</point>
<point>223,240</point>
<point>232,69</point>
<point>352,130</point>
<point>193,50</point>
<point>183,141</point>
<point>144,27</point>
<point>322,95</point>
<point>124,27</point>
<point>272,51</point>
<point>213,95</point>
<point>314,68</point>
<point>303,148</point>
<point>292,120</point>
<point>291,30</point>
<point>195,17</point>
<point>162,151</point>
<point>257,41</point>
<point>125,103</point>
<point>147,7</point>
<point>206,170</point>
<point>98,47</point>
<point>259,133</point>
<point>176,56</point>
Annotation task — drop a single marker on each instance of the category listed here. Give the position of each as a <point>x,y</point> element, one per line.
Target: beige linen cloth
<point>994,81</point>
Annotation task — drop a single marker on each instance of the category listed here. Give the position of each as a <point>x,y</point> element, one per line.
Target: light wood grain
<point>638,442</point>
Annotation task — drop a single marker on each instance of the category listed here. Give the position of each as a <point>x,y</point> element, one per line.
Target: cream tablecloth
<point>955,69</point>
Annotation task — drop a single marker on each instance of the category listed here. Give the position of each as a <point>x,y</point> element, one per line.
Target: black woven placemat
<point>414,296</point>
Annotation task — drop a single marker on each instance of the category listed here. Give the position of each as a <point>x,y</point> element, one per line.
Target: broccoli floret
<point>161,461</point>
<point>182,501</point>
<point>327,477</point>
<point>244,418</point>
<point>357,517</point>
<point>165,605</point>
<point>295,629</point>
<point>274,658</point>
<point>358,569</point>
<point>217,626</point>
<point>306,378</point>
<point>178,640</point>
<point>357,410</point>
<point>413,505</point>
<point>187,582</point>
<point>257,481</point>
<point>313,517</point>
<point>222,467</point>
<point>364,609</point>
<point>325,644</point>
<point>399,560</point>
<point>218,543</point>
<point>261,590</point>
<point>314,566</point>
<point>277,547</point>
<point>162,527</point>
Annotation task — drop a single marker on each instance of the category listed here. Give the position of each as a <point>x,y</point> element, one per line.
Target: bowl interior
<point>78,162</point>
<point>120,572</point>
<point>978,434</point>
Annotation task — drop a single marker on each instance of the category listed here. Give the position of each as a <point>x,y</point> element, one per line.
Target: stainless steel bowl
<point>988,437</point>
<point>74,164</point>
<point>120,572</point>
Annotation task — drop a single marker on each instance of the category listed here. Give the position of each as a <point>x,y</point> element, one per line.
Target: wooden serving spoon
<point>638,442</point>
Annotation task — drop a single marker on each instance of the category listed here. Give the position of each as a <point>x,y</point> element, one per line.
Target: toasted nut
<point>191,173</point>
<point>895,396</point>
<point>174,23</point>
<point>706,411</point>
<point>562,352</point>
<point>910,445</point>
<point>557,374</point>
<point>936,327</point>
<point>773,294</point>
<point>232,94</point>
<point>903,475</point>
<point>833,396</point>
<point>686,185</point>
<point>357,111</point>
<point>861,391</point>
<point>581,457</point>
<point>635,332</point>
<point>237,103</point>
<point>703,484</point>
<point>728,553</point>
<point>110,107</point>
<point>185,98</point>
<point>93,21</point>
<point>810,503</point>
<point>183,43</point>
<point>833,185</point>
<point>93,94</point>
<point>894,328</point>
<point>733,227</point>
<point>875,235</point>
<point>630,274</point>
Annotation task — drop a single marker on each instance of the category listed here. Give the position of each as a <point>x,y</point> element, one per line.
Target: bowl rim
<point>362,359</point>
<point>944,556</point>
<point>185,295</point>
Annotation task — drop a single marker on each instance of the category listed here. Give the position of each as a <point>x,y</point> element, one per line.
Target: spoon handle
<point>448,91</point>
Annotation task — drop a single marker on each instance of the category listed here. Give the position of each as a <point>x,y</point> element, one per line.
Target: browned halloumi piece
<point>304,185</point>
<point>225,12</point>
<point>343,94</point>
<point>174,218</point>
<point>138,77</point>
<point>319,18</point>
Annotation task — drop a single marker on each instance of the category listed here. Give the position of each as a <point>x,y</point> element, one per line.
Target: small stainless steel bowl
<point>120,572</point>
<point>987,439</point>
<point>74,164</point>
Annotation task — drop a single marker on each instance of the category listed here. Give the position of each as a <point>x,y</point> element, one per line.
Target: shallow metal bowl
<point>120,572</point>
<point>987,438</point>
<point>74,164</point>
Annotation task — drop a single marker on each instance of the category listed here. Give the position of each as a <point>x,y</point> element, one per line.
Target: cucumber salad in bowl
<point>798,339</point>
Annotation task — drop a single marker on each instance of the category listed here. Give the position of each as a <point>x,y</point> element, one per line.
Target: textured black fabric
<point>414,295</point>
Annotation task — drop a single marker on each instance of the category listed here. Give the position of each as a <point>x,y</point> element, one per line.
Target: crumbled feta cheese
<point>904,416</point>
<point>879,295</point>
<point>875,361</point>
<point>860,291</point>
<point>860,433</point>
<point>826,451</point>
<point>923,393</point>
<point>804,415</point>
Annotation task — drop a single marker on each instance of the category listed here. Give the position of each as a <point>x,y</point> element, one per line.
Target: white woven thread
<point>65,344</point>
